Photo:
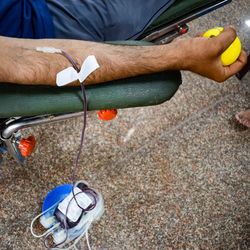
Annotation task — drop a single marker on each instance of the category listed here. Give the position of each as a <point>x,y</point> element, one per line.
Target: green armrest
<point>18,100</point>
<point>21,100</point>
<point>178,10</point>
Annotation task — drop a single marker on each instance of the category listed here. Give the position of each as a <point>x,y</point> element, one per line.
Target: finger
<point>226,38</point>
<point>238,65</point>
<point>200,34</point>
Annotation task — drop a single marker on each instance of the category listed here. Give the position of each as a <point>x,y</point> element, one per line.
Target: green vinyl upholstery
<point>178,10</point>
<point>18,100</point>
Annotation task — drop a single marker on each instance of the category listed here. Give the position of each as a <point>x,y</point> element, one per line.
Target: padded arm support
<point>20,100</point>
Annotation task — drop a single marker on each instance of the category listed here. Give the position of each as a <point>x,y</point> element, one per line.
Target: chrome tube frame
<point>9,136</point>
<point>27,122</point>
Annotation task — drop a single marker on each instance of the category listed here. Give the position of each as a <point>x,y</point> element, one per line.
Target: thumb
<point>200,34</point>
<point>226,38</point>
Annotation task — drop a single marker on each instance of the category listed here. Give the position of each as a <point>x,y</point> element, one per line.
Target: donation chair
<point>26,106</point>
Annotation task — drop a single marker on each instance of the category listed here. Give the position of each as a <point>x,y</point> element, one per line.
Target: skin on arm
<point>26,66</point>
<point>20,63</point>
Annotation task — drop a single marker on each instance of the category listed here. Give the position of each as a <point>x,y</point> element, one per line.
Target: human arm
<point>20,63</point>
<point>24,65</point>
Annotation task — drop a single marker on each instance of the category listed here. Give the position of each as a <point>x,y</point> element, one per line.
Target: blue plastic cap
<point>55,195</point>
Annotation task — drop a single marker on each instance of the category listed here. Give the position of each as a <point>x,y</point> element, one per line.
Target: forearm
<point>20,63</point>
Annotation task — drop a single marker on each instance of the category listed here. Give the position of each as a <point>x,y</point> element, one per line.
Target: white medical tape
<point>48,50</point>
<point>69,74</point>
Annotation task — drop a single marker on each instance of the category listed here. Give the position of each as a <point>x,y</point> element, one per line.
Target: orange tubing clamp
<point>107,114</point>
<point>27,145</point>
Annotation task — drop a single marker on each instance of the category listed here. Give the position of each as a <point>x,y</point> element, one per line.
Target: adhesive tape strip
<point>69,75</point>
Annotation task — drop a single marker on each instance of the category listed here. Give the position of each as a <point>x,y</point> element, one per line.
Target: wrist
<point>180,58</point>
<point>184,56</point>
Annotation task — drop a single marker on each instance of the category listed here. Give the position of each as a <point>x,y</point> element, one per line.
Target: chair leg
<point>10,143</point>
<point>3,150</point>
<point>12,147</point>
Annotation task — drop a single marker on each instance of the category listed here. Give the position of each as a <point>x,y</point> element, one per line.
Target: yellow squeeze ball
<point>231,54</point>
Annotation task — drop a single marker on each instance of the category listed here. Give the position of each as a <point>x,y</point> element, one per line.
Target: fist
<point>232,53</point>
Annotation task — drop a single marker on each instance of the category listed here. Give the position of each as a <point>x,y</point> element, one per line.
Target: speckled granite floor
<point>174,176</point>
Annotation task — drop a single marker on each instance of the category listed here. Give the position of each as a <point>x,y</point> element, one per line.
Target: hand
<point>202,55</point>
